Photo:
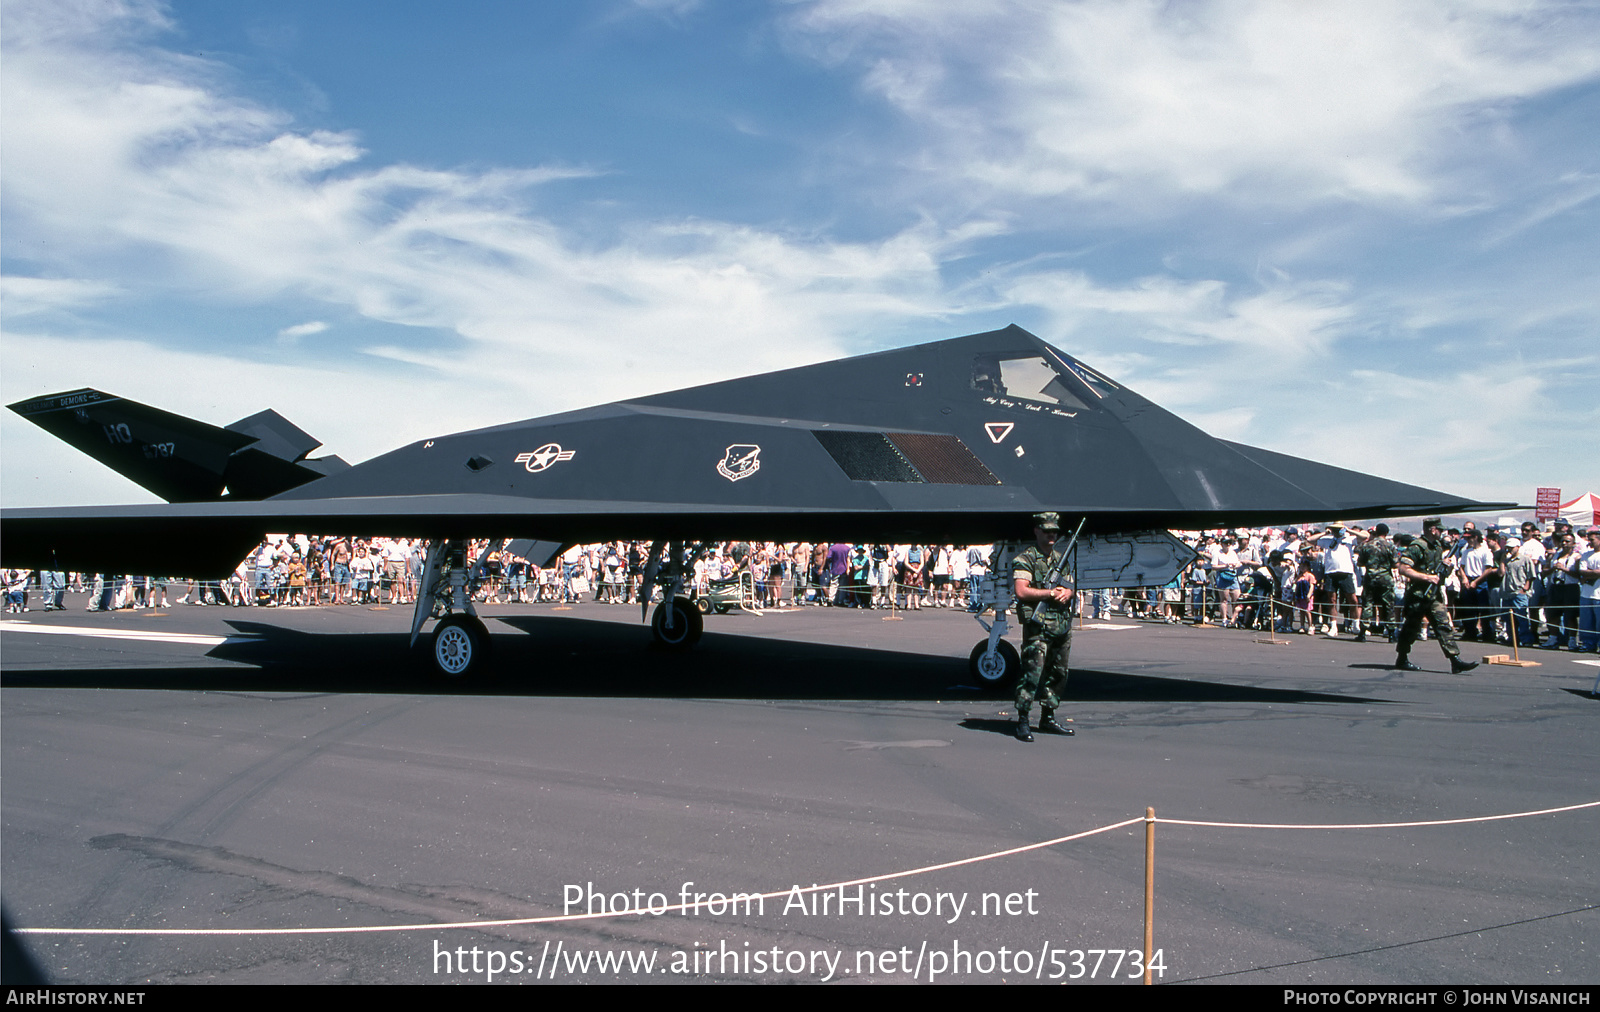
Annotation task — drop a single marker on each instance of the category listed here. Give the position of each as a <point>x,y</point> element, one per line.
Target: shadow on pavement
<point>576,657</point>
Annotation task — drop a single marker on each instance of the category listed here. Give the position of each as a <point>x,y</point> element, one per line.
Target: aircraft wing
<point>207,540</point>
<point>957,441</point>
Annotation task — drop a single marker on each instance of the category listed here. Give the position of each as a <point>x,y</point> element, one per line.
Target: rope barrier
<point>1376,825</point>
<point>1149,818</point>
<point>563,918</point>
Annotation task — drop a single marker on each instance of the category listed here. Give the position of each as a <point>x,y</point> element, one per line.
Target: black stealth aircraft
<point>956,441</point>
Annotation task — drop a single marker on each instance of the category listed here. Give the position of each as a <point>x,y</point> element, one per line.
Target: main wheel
<point>460,645</point>
<point>703,603</point>
<point>687,624</point>
<point>996,673</point>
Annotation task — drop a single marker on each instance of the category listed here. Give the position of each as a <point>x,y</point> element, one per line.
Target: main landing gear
<point>678,621</point>
<point>677,624</point>
<point>459,645</point>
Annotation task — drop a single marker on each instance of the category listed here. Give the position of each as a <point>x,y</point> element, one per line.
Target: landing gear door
<point>1129,560</point>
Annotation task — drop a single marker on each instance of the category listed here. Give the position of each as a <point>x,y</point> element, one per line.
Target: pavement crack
<point>427,903</point>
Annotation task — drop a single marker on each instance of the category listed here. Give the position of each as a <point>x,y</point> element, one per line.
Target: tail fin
<point>181,459</point>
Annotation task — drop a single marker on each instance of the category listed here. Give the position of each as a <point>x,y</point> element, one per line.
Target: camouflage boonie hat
<point>1047,521</point>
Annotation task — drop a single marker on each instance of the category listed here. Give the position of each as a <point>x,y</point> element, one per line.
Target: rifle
<point>1435,591</point>
<point>1052,579</point>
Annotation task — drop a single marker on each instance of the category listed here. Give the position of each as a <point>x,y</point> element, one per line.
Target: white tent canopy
<point>1582,512</point>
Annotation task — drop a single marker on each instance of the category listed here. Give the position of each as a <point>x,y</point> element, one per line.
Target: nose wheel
<point>996,672</point>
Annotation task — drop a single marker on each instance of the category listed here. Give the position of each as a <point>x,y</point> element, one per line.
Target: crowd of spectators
<point>300,571</point>
<point>1525,585</point>
<point>1541,586</point>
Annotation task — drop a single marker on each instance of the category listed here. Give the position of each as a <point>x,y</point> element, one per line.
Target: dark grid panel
<point>943,460</point>
<point>866,456</point>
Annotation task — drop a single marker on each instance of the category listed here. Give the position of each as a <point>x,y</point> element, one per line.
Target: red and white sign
<point>1546,503</point>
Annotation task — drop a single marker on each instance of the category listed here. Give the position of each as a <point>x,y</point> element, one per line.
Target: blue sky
<point>1362,233</point>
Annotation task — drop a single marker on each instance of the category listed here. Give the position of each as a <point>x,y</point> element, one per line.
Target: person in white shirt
<point>1588,573</point>
<point>958,577</point>
<point>396,553</point>
<point>1224,564</point>
<point>573,582</point>
<point>1477,565</point>
<point>1339,576</point>
<point>977,568</point>
<point>1533,548</point>
<point>1563,590</point>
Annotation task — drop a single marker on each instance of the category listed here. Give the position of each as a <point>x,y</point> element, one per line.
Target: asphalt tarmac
<point>217,768</point>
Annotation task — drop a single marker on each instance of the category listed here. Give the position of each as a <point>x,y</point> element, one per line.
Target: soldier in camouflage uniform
<point>1377,557</point>
<point>1425,570</point>
<point>1046,626</point>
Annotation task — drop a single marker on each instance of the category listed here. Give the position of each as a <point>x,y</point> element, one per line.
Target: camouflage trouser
<point>1378,594</point>
<point>1431,608</point>
<point>1044,669</point>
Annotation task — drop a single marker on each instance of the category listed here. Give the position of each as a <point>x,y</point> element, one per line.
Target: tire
<point>687,624</point>
<point>721,609</point>
<point>460,646</point>
<point>704,604</point>
<point>996,674</point>
<point>484,639</point>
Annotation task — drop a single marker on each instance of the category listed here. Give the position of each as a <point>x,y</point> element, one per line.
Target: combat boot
<point>1402,664</point>
<point>1021,731</point>
<point>1049,725</point>
<point>1361,634</point>
<point>1461,667</point>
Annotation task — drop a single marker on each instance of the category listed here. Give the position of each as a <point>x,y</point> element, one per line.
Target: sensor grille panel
<point>907,457</point>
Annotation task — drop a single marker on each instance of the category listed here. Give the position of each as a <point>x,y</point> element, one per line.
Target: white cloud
<point>1571,190</point>
<point>300,330</point>
<point>1459,430</point>
<point>20,296</point>
<point>1293,321</point>
<point>119,151</point>
<point>1259,99</point>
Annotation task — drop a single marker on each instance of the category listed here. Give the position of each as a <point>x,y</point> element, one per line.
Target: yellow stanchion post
<point>1272,628</point>
<point>1514,659</point>
<point>1149,888</point>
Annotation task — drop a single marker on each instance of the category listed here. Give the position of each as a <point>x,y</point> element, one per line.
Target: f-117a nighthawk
<point>958,441</point>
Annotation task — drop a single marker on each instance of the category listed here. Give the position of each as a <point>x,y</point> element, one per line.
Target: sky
<point>1367,234</point>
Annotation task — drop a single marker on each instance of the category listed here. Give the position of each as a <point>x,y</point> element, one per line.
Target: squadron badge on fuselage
<point>740,461</point>
<point>543,457</point>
